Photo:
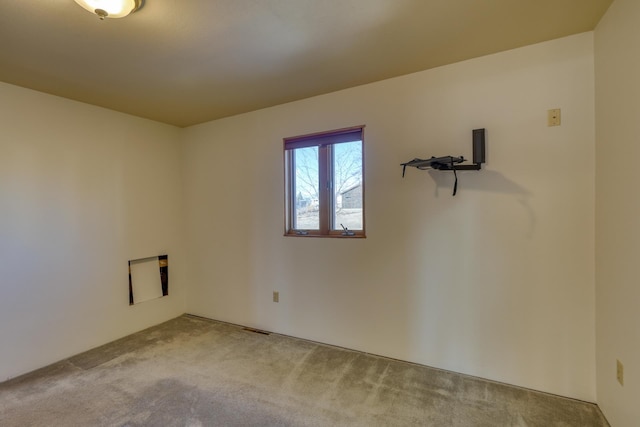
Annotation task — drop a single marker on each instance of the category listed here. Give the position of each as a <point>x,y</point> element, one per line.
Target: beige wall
<point>617,38</point>
<point>496,282</point>
<point>82,191</point>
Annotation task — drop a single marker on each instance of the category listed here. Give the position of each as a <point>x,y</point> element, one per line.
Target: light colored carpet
<point>196,372</point>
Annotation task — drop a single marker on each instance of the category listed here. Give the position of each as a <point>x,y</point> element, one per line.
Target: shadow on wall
<point>484,181</point>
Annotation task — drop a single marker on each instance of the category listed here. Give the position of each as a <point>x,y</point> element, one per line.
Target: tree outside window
<point>325,184</point>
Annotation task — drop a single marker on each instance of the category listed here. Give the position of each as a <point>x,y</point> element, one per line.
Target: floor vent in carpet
<point>257,331</point>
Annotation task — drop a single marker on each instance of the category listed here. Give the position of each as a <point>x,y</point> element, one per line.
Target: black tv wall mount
<point>451,163</point>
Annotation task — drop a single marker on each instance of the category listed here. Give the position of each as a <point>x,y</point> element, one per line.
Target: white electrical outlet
<point>553,117</point>
<point>276,296</point>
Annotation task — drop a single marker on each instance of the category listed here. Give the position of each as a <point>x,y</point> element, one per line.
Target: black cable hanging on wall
<point>451,163</point>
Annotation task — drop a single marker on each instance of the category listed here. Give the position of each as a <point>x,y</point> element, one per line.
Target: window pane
<point>347,185</point>
<point>305,189</point>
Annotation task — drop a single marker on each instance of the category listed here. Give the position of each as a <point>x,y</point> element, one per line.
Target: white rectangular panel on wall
<point>146,282</point>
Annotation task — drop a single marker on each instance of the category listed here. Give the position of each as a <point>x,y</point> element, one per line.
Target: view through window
<point>325,183</point>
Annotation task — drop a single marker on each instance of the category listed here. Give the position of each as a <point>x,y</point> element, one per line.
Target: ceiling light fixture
<point>111,8</point>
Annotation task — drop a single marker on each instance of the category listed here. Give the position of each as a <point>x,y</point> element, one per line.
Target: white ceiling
<point>185,62</point>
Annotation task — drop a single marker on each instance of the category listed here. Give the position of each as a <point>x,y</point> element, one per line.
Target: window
<point>324,184</point>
